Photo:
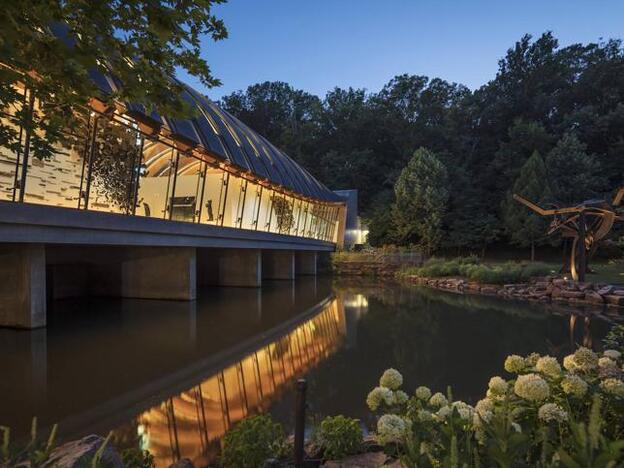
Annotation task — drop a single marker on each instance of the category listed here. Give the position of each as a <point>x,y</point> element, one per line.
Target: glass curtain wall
<point>114,168</point>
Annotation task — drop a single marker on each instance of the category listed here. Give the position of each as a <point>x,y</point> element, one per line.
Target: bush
<point>546,414</point>
<point>470,268</point>
<point>251,442</point>
<point>137,458</point>
<point>339,436</point>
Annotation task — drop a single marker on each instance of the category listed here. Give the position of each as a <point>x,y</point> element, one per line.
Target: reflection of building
<point>191,423</point>
<point>355,232</point>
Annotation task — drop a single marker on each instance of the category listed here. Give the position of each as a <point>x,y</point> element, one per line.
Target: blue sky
<point>319,44</point>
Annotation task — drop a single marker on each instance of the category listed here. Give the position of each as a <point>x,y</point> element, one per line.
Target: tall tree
<point>525,227</point>
<point>53,47</point>
<point>574,175</point>
<point>421,200</point>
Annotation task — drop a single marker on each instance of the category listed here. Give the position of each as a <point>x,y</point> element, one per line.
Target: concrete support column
<point>146,273</point>
<point>159,273</point>
<point>22,286</point>
<point>240,267</point>
<point>278,264</point>
<point>305,263</point>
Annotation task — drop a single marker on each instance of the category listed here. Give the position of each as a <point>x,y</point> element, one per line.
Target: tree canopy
<point>567,103</point>
<point>54,46</point>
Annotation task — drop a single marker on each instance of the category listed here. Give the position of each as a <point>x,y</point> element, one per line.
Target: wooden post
<point>300,404</point>
<point>582,259</point>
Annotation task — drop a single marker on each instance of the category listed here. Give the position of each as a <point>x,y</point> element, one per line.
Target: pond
<point>173,376</point>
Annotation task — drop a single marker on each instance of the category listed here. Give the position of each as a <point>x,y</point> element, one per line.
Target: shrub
<point>545,415</point>
<point>339,436</point>
<point>251,442</point>
<point>137,458</point>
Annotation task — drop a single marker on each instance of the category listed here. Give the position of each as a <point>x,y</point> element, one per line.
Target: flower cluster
<point>552,412</point>
<point>390,428</point>
<point>531,387</point>
<point>387,393</point>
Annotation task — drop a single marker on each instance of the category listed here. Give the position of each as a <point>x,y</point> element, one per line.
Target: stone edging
<point>543,289</point>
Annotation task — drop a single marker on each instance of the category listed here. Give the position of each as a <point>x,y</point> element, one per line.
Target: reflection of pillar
<point>22,286</point>
<point>571,327</point>
<point>355,305</point>
<point>39,360</point>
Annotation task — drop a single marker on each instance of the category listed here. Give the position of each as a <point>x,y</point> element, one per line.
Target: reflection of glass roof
<point>229,139</point>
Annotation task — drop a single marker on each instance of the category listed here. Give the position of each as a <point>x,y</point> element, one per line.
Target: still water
<point>173,376</point>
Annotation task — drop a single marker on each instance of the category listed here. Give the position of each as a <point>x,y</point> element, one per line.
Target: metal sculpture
<point>586,224</point>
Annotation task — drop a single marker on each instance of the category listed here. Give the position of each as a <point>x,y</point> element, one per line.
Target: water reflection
<point>190,424</point>
<point>177,375</point>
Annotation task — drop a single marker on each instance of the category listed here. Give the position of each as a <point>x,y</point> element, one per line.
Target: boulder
<point>560,282</point>
<point>489,289</point>
<point>585,286</point>
<point>618,292</point>
<point>614,300</point>
<point>606,290</point>
<point>80,453</point>
<point>572,294</point>
<point>542,284</point>
<point>594,297</point>
<point>556,292</point>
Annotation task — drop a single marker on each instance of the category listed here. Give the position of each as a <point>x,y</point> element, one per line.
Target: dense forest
<point>549,126</point>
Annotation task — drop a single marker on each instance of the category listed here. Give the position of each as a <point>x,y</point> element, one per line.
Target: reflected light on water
<point>190,425</point>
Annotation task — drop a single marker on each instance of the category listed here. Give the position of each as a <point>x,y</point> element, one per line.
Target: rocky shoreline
<point>543,289</point>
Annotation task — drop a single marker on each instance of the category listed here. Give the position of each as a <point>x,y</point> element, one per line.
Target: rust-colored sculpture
<point>586,224</point>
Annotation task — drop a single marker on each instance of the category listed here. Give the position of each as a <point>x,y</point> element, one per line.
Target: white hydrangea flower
<point>514,364</point>
<point>549,366</point>
<point>607,363</point>
<point>531,387</point>
<point>443,413</point>
<point>423,393</point>
<point>498,385</point>
<point>390,428</point>
<point>424,415</point>
<point>438,400</point>
<point>378,395</point>
<point>552,412</point>
<point>391,379</point>
<point>569,364</point>
<point>585,359</point>
<point>574,385</point>
<point>400,397</point>
<point>485,409</point>
<point>531,359</point>
<point>612,353</point>
<point>613,387</point>
<point>464,409</point>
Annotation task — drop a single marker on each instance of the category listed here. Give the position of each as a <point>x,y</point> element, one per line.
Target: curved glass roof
<point>229,139</point>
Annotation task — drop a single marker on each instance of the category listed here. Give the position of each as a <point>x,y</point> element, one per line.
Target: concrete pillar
<point>240,267</point>
<point>278,264</point>
<point>22,286</point>
<point>305,263</point>
<point>146,273</point>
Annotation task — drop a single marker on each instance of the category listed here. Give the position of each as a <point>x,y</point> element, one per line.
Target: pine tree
<point>421,200</point>
<point>524,227</point>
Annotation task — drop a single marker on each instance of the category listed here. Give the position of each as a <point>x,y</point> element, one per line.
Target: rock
<point>594,297</point>
<point>542,284</point>
<point>489,289</point>
<point>614,300</point>
<point>79,453</point>
<point>573,294</point>
<point>618,292</point>
<point>585,286</point>
<point>183,463</point>
<point>363,460</point>
<point>560,282</point>
<point>605,290</point>
<point>556,292</point>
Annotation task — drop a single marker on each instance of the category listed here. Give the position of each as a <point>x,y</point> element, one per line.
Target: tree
<point>421,200</point>
<point>524,227</point>
<point>53,47</point>
<point>574,175</point>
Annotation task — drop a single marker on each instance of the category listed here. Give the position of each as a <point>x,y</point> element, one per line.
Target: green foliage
<point>140,43</point>
<point>545,415</point>
<point>525,227</point>
<point>137,458</point>
<point>251,442</point>
<point>574,175</point>
<point>34,453</point>
<point>470,268</point>
<point>339,436</point>
<point>615,338</point>
<point>421,200</point>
